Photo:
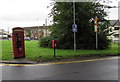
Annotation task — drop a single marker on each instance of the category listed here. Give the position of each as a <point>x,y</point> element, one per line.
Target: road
<point>93,69</point>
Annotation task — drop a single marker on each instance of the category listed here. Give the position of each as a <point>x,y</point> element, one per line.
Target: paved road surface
<point>89,70</point>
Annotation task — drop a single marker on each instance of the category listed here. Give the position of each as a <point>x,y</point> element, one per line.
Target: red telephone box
<point>18,42</point>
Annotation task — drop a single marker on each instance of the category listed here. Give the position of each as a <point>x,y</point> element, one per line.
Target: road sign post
<point>96,41</point>
<point>74,29</point>
<point>96,30</point>
<point>74,41</point>
<point>73,26</point>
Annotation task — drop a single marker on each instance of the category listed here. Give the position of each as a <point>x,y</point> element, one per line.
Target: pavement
<point>90,69</point>
<point>18,61</point>
<point>26,61</point>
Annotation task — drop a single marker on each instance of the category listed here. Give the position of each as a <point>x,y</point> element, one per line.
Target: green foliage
<point>46,41</point>
<point>62,14</point>
<point>29,33</point>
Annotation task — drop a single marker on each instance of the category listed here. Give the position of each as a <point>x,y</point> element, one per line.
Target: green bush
<point>46,41</point>
<point>67,42</point>
<point>85,36</point>
<point>86,42</point>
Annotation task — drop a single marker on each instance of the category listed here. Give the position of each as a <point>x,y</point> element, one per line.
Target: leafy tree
<point>62,14</point>
<point>29,33</point>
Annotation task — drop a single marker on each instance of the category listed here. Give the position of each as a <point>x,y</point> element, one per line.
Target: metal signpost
<point>46,26</point>
<point>38,35</point>
<point>74,29</point>
<point>96,30</point>
<point>74,26</point>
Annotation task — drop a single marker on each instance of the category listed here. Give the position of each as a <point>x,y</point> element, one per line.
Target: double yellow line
<point>90,60</point>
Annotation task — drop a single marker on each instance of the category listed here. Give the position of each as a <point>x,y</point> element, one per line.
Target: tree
<point>62,14</point>
<point>29,34</point>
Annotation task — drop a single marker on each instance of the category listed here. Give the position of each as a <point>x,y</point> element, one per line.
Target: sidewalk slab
<point>18,61</point>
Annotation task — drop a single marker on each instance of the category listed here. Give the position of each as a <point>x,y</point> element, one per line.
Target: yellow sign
<point>95,21</point>
<point>95,24</point>
<point>96,28</point>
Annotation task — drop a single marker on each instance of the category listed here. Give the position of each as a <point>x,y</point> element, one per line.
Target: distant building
<point>115,29</point>
<point>36,31</point>
<point>3,34</point>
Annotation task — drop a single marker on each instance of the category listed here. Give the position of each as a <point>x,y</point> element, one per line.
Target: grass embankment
<point>36,53</point>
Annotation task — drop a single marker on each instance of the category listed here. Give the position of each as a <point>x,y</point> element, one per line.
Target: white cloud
<point>113,14</point>
<point>26,12</point>
<point>23,12</point>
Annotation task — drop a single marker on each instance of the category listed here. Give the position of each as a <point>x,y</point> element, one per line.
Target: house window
<point>116,28</point>
<point>116,35</point>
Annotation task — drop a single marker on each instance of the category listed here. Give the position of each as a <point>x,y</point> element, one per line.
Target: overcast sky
<point>23,13</point>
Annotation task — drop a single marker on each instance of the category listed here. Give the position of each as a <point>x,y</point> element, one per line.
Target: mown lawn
<point>34,52</point>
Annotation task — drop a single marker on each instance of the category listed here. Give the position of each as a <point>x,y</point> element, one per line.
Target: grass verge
<point>39,54</point>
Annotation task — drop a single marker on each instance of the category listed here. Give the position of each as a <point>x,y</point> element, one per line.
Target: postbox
<point>18,42</point>
<point>54,43</point>
<point>54,46</point>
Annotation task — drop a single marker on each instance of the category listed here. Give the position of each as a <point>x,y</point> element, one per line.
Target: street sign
<point>96,28</point>
<point>96,24</point>
<point>74,27</point>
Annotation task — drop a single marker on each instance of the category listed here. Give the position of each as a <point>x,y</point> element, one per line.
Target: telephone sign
<point>18,42</point>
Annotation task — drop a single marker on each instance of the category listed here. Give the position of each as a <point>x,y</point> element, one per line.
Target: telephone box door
<point>18,42</point>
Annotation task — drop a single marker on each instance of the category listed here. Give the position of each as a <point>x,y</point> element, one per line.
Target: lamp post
<point>46,26</point>
<point>38,30</point>
<point>8,36</point>
<point>2,33</point>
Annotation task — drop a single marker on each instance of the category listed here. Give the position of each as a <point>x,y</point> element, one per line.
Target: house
<point>36,32</point>
<point>115,29</point>
<point>3,34</point>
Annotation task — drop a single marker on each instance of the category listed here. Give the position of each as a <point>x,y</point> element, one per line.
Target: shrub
<point>46,41</point>
<point>85,36</point>
<point>87,42</point>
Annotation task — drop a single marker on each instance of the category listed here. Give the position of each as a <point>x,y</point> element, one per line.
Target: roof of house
<point>33,27</point>
<point>115,22</point>
<point>2,31</point>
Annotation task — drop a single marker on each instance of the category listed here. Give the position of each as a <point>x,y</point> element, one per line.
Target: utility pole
<point>38,30</point>
<point>8,36</point>
<point>8,30</point>
<point>46,26</point>
<point>2,33</point>
<point>74,24</point>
